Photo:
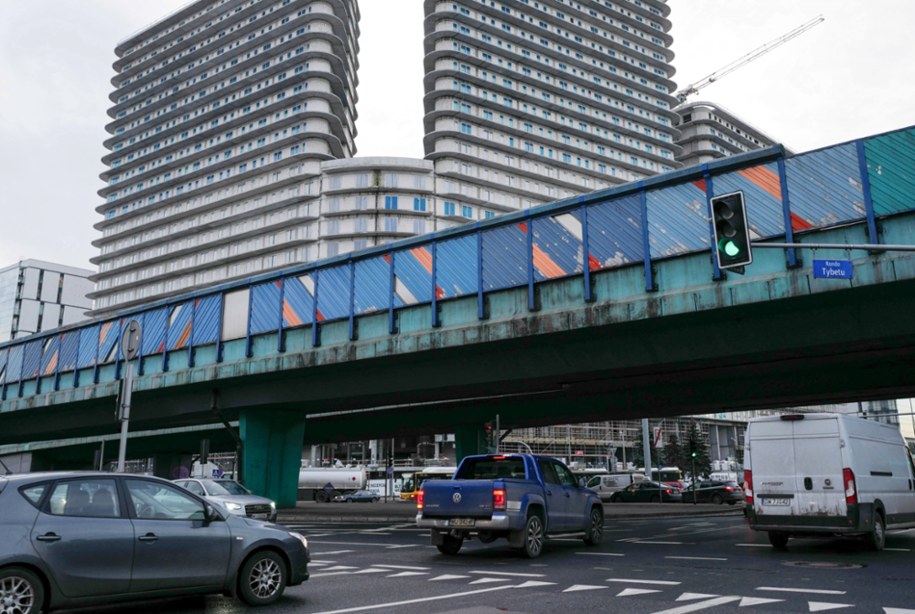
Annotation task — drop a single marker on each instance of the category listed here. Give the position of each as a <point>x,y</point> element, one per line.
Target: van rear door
<point>797,467</point>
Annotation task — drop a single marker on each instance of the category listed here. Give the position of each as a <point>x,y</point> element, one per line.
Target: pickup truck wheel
<point>595,527</point>
<point>451,545</point>
<point>876,539</point>
<point>533,537</point>
<point>778,540</point>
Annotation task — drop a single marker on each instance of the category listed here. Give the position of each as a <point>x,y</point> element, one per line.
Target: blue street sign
<point>832,269</point>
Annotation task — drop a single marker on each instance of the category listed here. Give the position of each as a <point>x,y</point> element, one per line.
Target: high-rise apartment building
<point>233,121</point>
<point>708,132</point>
<point>36,296</point>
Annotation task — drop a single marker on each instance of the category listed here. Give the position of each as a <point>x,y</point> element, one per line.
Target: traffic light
<point>693,454</point>
<point>732,233</point>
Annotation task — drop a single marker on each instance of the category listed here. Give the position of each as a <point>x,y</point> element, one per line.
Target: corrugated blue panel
<point>153,335</point>
<point>265,307</point>
<point>14,365</point>
<point>891,170</point>
<point>333,292</point>
<point>31,360</point>
<point>413,269</point>
<point>207,313</point>
<point>299,306</point>
<point>762,196</point>
<point>505,260</point>
<point>108,341</point>
<point>677,220</point>
<point>558,248</point>
<point>456,266</point>
<point>373,285</point>
<point>88,345</point>
<point>50,354</point>
<point>179,330</point>
<point>824,187</point>
<point>69,350</point>
<point>4,358</point>
<point>615,233</point>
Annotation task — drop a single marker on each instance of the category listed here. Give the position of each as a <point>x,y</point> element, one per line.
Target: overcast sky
<point>848,77</point>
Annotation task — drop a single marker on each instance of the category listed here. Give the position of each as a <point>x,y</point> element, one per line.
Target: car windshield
<point>225,487</point>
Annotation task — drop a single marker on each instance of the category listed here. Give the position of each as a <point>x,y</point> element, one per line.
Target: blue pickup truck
<point>522,497</point>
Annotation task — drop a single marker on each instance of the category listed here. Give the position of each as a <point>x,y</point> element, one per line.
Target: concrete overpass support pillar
<point>469,440</point>
<point>272,453</point>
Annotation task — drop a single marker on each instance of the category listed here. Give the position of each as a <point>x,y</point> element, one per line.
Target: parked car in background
<point>363,496</point>
<point>233,496</point>
<point>647,492</point>
<point>714,491</point>
<point>77,539</point>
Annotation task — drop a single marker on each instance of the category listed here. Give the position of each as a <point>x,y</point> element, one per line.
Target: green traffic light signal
<point>732,232</point>
<point>693,454</point>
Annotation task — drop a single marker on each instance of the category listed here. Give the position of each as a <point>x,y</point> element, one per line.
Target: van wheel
<point>595,527</point>
<point>876,539</point>
<point>451,545</point>
<point>778,540</point>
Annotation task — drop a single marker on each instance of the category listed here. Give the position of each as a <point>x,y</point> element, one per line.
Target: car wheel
<point>654,499</point>
<point>717,499</point>
<point>876,539</point>
<point>533,537</point>
<point>262,579</point>
<point>615,499</point>
<point>20,591</point>
<point>778,540</point>
<point>595,527</point>
<point>451,545</point>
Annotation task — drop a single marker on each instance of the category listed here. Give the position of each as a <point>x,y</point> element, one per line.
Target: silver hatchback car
<point>73,539</point>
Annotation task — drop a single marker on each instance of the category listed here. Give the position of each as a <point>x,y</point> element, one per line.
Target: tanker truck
<point>324,483</point>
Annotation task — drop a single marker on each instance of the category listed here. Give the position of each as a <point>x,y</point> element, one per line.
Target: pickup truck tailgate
<point>458,498</point>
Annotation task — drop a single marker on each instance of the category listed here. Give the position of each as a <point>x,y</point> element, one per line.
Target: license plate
<point>773,501</point>
<point>462,522</point>
<point>259,516</point>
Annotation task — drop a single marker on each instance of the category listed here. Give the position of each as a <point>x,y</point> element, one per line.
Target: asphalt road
<point>691,562</point>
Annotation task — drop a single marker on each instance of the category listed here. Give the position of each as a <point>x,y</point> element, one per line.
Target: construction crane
<point>746,59</point>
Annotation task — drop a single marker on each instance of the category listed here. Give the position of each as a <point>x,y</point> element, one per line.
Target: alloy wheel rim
<point>16,595</point>
<point>535,536</point>
<point>265,578</point>
<point>597,525</point>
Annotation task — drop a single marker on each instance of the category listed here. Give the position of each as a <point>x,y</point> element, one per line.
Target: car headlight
<point>234,506</point>
<point>301,538</point>
<point>273,506</point>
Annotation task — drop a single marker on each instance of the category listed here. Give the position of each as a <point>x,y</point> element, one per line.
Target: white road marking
<point>657,543</point>
<point>380,606</point>
<point>822,606</point>
<point>699,605</point>
<point>753,545</point>
<point>335,552</point>
<point>694,596</point>
<point>583,587</point>
<point>490,580</point>
<point>629,592</point>
<point>532,583</point>
<point>898,611</point>
<point>816,591</point>
<point>898,549</point>
<point>448,576</point>
<point>401,567</point>
<point>639,581</point>
<point>404,574</point>
<point>508,573</point>
<point>745,601</point>
<point>600,553</point>
<point>370,570</point>
<point>370,544</point>
<point>696,558</point>
<point>340,568</point>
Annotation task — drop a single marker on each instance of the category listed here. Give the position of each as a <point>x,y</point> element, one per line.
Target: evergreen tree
<point>673,453</point>
<point>696,443</point>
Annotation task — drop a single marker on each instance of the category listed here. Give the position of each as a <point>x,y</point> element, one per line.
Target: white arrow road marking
<point>448,576</point>
<point>629,592</point>
<point>822,606</point>
<point>700,605</point>
<point>816,591</point>
<point>370,570</point>
<point>490,580</point>
<point>637,581</point>
<point>694,596</point>
<point>898,611</point>
<point>404,574</point>
<point>508,573</point>
<point>388,606</point>
<point>533,583</point>
<point>583,587</point>
<point>756,601</point>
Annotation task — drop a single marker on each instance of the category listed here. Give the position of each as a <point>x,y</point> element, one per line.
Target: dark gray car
<point>82,538</point>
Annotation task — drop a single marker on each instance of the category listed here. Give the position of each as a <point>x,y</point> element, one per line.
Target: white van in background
<point>607,484</point>
<point>827,475</point>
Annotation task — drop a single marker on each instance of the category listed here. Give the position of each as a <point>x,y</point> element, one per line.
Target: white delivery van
<point>607,484</point>
<point>827,475</point>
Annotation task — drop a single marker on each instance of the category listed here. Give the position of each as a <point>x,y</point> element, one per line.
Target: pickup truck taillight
<point>498,499</point>
<point>419,499</point>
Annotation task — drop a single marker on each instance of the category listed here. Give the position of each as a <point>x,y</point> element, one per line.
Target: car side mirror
<point>211,514</point>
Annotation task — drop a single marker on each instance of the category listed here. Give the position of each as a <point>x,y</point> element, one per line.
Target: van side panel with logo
<point>827,474</point>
